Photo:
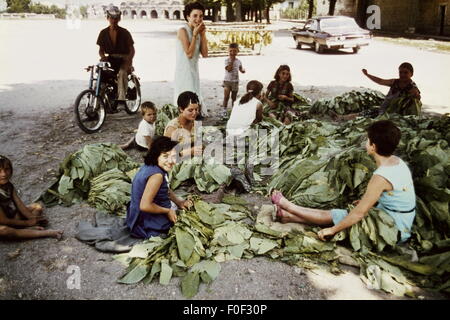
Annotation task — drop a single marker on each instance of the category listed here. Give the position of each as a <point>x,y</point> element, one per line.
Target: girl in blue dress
<point>152,210</point>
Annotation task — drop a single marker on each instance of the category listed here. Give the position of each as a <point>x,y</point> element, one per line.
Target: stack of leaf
<point>324,178</point>
<point>98,171</point>
<point>111,191</point>
<point>348,102</point>
<point>166,113</point>
<point>208,234</point>
<point>208,174</point>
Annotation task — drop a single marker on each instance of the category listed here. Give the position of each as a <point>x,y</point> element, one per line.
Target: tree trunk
<point>332,7</point>
<point>267,14</point>
<point>230,14</point>
<point>310,8</point>
<point>215,14</point>
<point>239,10</point>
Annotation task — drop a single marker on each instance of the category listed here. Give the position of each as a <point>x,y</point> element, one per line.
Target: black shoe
<point>239,176</point>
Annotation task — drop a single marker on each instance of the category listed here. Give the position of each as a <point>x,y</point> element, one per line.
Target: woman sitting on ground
<point>152,210</point>
<point>391,186</point>
<point>401,87</point>
<point>18,221</point>
<point>182,128</point>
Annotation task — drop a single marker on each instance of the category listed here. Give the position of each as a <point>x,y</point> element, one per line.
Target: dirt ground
<point>37,131</point>
<point>38,269</point>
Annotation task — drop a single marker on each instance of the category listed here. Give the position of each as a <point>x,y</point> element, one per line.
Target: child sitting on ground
<point>401,87</point>
<point>146,130</point>
<point>18,221</point>
<point>152,209</point>
<point>280,93</point>
<point>231,81</point>
<point>391,186</point>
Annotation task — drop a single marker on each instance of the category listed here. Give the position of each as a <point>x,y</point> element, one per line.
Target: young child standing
<point>146,130</point>
<point>231,81</point>
<point>18,221</point>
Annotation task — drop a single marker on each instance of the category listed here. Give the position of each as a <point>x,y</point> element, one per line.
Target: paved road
<point>42,64</point>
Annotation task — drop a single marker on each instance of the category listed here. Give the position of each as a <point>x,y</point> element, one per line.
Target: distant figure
<point>191,41</point>
<point>146,130</point>
<point>116,47</point>
<point>280,94</point>
<point>18,221</point>
<point>401,87</point>
<point>231,81</point>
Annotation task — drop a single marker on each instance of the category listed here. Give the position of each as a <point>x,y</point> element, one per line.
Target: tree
<point>83,11</point>
<point>310,8</point>
<point>230,11</point>
<point>238,10</point>
<point>18,6</point>
<point>332,7</point>
<point>268,5</point>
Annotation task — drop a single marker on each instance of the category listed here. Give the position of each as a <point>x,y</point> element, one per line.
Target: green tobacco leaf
<point>185,243</point>
<point>262,246</point>
<point>166,273</point>
<point>190,284</point>
<point>135,275</point>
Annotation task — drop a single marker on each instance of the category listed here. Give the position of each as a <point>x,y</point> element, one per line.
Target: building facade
<point>150,9</point>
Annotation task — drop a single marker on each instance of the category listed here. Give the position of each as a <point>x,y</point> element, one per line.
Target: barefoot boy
<point>231,81</point>
<point>146,130</point>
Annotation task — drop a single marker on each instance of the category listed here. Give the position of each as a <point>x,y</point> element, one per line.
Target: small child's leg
<point>127,145</point>
<point>233,97</point>
<point>226,96</point>
<point>12,233</point>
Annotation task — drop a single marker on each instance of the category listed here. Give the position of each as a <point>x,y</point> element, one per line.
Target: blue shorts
<point>338,215</point>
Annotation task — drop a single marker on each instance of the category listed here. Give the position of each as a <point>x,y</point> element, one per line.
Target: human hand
<point>199,29</point>
<point>39,220</point>
<point>326,233</point>
<point>185,204</point>
<point>202,29</point>
<point>282,97</point>
<point>365,71</point>
<point>172,215</point>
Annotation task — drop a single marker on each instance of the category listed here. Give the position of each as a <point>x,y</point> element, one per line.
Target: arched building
<point>152,9</point>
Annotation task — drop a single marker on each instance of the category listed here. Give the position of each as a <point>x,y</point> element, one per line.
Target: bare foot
<point>280,199</point>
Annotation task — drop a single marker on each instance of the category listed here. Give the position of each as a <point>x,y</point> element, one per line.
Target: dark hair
<point>159,145</point>
<point>408,66</point>
<point>192,6</point>
<point>254,88</point>
<point>233,45</point>
<point>282,68</point>
<point>5,163</point>
<point>147,105</point>
<point>186,98</point>
<point>385,135</point>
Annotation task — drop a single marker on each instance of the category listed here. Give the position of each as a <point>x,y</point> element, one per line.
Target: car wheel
<point>356,49</point>
<point>299,45</point>
<point>318,48</point>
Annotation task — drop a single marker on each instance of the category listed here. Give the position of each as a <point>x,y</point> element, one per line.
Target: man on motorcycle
<point>116,47</point>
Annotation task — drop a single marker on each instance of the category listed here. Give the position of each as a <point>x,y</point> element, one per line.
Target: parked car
<point>336,32</point>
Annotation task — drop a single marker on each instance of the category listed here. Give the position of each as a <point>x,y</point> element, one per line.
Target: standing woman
<point>191,41</point>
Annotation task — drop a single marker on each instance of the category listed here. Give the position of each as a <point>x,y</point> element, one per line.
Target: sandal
<point>276,197</point>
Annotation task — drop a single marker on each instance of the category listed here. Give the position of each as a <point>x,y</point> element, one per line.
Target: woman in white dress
<point>191,41</point>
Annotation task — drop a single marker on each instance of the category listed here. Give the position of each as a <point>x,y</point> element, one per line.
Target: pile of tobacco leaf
<point>321,165</point>
<point>348,102</point>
